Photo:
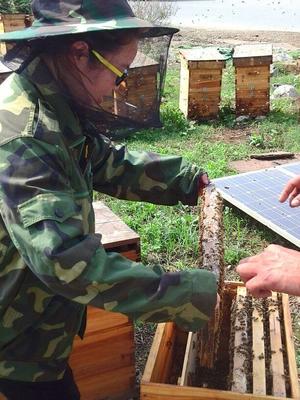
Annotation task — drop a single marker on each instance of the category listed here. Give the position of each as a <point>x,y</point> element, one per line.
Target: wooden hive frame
<point>252,79</point>
<point>173,347</point>
<point>103,362</point>
<point>200,83</point>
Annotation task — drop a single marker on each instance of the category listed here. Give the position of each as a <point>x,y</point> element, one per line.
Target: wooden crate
<point>13,22</point>
<point>166,374</point>
<point>141,91</point>
<point>252,79</point>
<point>200,82</point>
<point>103,362</point>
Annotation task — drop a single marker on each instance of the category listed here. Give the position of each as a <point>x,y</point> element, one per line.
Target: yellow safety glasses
<point>121,76</point>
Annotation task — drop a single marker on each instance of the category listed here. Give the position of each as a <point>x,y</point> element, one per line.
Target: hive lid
<point>203,54</point>
<point>141,60</point>
<point>253,50</point>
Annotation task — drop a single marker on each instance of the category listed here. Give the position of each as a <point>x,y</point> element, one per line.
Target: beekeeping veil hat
<point>70,17</point>
<point>56,19</point>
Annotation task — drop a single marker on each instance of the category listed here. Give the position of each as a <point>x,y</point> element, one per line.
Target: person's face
<point>97,79</point>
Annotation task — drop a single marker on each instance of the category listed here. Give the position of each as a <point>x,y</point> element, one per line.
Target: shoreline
<point>206,37</point>
<point>232,28</point>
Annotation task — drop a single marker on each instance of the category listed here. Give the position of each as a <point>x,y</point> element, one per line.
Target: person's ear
<point>79,52</point>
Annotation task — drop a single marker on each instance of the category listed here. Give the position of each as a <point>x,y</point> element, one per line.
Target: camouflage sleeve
<point>46,221</point>
<point>144,176</point>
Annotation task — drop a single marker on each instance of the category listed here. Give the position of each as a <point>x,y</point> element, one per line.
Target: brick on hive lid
<point>200,82</point>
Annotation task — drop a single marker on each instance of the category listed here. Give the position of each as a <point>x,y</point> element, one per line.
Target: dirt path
<point>205,37</point>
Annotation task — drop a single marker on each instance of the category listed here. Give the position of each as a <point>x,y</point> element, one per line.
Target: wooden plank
<point>206,90</point>
<point>209,65</point>
<point>96,316</point>
<point>211,251</point>
<point>253,61</point>
<point>184,88</point>
<point>290,348</point>
<point>211,247</point>
<point>165,356</point>
<point>206,74</point>
<point>2,45</point>
<point>272,155</point>
<point>258,347</point>
<point>276,345</point>
<point>239,377</point>
<point>151,361</point>
<point>189,362</point>
<point>116,233</point>
<point>110,385</point>
<point>160,357</point>
<point>252,50</point>
<point>256,87</point>
<point>261,81</point>
<point>154,391</point>
<point>212,84</point>
<point>253,70</point>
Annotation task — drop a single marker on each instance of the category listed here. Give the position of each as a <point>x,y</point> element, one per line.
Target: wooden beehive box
<point>141,91</point>
<point>252,79</point>
<point>103,362</point>
<point>171,370</point>
<point>200,82</point>
<point>13,22</point>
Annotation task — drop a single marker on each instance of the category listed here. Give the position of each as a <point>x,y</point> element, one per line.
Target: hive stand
<point>252,79</point>
<point>103,362</point>
<point>200,82</point>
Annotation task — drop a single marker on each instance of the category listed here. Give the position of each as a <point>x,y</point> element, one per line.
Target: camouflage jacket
<point>52,263</point>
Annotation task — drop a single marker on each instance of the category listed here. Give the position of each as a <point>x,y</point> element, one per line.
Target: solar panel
<point>256,193</point>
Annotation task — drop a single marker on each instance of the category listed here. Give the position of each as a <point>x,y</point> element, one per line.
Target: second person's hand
<point>291,191</point>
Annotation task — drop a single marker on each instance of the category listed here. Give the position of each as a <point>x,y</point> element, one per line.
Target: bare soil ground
<point>204,37</point>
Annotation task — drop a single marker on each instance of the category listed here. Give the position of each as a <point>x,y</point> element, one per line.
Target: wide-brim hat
<point>71,17</point>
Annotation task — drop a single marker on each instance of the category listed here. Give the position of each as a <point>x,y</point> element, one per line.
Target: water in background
<point>280,15</point>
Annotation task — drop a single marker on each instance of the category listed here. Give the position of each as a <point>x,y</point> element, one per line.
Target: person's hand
<point>291,191</point>
<point>275,269</point>
<point>203,182</point>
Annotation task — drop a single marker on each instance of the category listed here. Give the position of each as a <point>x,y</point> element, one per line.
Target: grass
<point>169,235</point>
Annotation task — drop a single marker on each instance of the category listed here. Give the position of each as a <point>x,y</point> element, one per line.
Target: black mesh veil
<point>134,105</point>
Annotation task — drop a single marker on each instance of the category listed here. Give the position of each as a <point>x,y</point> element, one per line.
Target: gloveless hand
<point>275,269</point>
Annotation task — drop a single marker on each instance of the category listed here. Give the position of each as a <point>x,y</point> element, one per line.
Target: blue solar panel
<point>256,193</point>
